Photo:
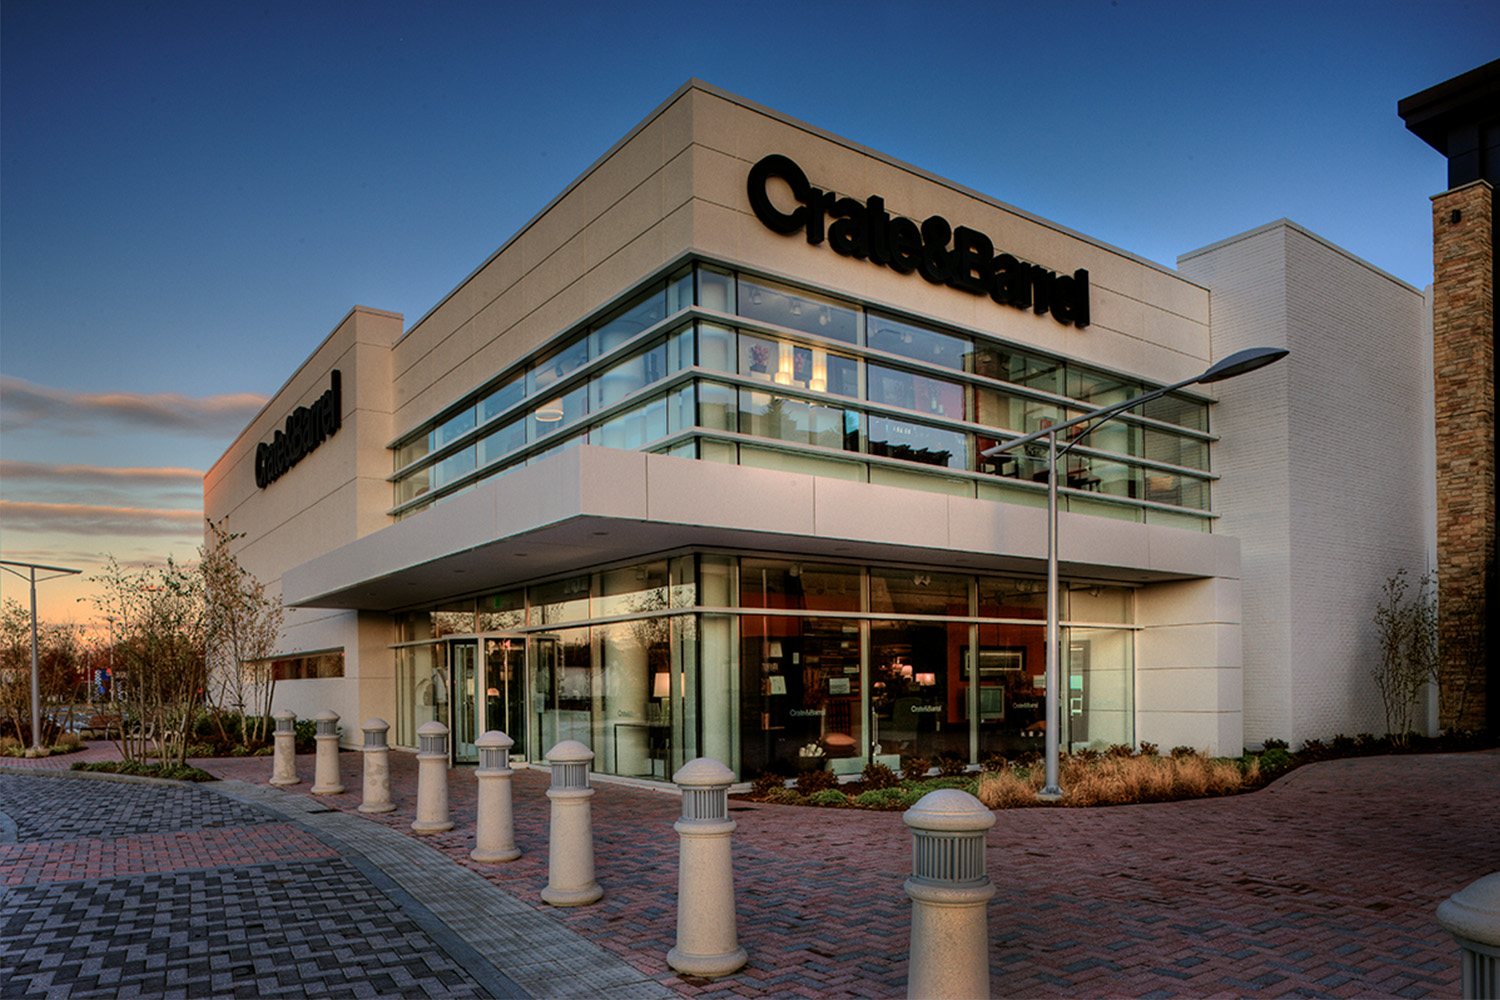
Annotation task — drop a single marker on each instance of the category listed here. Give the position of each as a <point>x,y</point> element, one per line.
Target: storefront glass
<point>769,664</point>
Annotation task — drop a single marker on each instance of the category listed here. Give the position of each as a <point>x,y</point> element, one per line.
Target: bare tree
<point>58,658</point>
<point>1407,630</point>
<point>161,675</point>
<point>243,626</point>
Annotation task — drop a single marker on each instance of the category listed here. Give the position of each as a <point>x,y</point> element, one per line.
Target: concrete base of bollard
<point>431,826</point>
<point>477,855</point>
<point>573,897</point>
<point>707,965</point>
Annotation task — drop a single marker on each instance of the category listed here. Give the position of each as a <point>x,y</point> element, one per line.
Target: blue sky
<point>193,194</point>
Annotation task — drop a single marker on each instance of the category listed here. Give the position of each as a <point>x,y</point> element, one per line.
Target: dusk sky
<point>192,195</point>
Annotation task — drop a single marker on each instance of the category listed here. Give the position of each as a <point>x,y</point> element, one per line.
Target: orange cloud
<point>25,405</point>
<point>84,519</point>
<point>97,474</point>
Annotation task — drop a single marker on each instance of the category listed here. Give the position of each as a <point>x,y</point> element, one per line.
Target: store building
<point>693,465</point>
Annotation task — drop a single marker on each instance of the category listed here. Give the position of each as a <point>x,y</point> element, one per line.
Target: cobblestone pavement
<point>1323,885</point>
<point>115,889</point>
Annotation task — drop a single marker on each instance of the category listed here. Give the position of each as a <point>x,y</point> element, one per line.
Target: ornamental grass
<point>1107,781</point>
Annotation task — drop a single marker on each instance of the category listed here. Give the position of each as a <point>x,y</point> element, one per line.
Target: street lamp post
<point>1236,364</point>
<point>36,686</point>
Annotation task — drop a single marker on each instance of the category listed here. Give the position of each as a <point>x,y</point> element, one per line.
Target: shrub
<point>889,797</point>
<point>1274,760</point>
<point>260,751</point>
<point>307,735</point>
<point>785,796</point>
<point>1313,750</point>
<point>1149,749</point>
<point>10,746</point>
<point>828,797</point>
<point>240,750</point>
<point>201,750</point>
<point>1274,745</point>
<point>68,742</point>
<point>1178,753</point>
<point>994,763</point>
<point>878,777</point>
<point>810,782</point>
<point>951,765</point>
<point>177,772</point>
<point>1120,750</point>
<point>766,784</point>
<point>1027,758</point>
<point>915,768</point>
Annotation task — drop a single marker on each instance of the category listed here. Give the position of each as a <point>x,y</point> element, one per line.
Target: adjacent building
<point>693,466</point>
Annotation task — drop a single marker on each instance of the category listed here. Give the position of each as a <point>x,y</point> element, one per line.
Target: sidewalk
<point>1322,885</point>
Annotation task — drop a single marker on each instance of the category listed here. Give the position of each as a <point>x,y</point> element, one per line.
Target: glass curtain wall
<point>773,665</point>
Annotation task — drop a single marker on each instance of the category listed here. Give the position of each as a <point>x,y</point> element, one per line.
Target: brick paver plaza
<point>1323,884</point>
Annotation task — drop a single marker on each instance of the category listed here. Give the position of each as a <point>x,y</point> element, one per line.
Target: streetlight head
<point>1241,362</point>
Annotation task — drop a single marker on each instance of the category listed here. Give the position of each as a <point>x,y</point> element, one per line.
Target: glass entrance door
<point>505,689</point>
<point>463,658</point>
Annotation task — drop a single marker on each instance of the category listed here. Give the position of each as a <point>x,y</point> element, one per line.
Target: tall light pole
<point>36,686</point>
<point>1236,364</point>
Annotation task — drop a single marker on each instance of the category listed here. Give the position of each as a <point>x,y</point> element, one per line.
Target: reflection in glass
<point>798,310</point>
<point>800,693</point>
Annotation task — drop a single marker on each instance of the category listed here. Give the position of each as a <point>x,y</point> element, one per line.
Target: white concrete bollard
<point>707,939</point>
<point>326,777</point>
<point>377,759</point>
<point>494,821</point>
<point>284,762</point>
<point>432,779</point>
<point>570,842</point>
<point>950,954</point>
<point>1472,916</point>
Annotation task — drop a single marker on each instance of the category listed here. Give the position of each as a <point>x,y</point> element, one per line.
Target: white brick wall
<point>1327,462</point>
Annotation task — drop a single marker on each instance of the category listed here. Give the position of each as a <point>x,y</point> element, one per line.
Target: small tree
<point>161,671</point>
<point>58,659</point>
<point>243,627</point>
<point>1407,630</point>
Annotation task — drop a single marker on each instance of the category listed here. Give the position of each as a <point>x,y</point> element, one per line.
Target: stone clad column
<point>326,777</point>
<point>707,938</point>
<point>494,820</point>
<point>432,779</point>
<point>570,857</point>
<point>377,760</point>
<point>284,763</point>
<point>1463,362</point>
<point>949,890</point>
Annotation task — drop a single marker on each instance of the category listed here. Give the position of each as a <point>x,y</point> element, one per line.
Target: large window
<point>807,374</point>
<point>773,664</point>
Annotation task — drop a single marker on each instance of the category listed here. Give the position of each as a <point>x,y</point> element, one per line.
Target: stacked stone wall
<point>1464,373</point>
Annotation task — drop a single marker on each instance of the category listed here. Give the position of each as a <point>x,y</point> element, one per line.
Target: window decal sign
<point>960,257</point>
<point>306,428</point>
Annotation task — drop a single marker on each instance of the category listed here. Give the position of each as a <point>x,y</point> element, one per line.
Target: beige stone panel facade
<point>907,517</point>
<point>1218,734</point>
<point>625,168</point>
<point>614,276</point>
<point>1205,601</point>
<point>557,226</point>
<point>692,492</point>
<point>636,212</point>
<point>716,177</point>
